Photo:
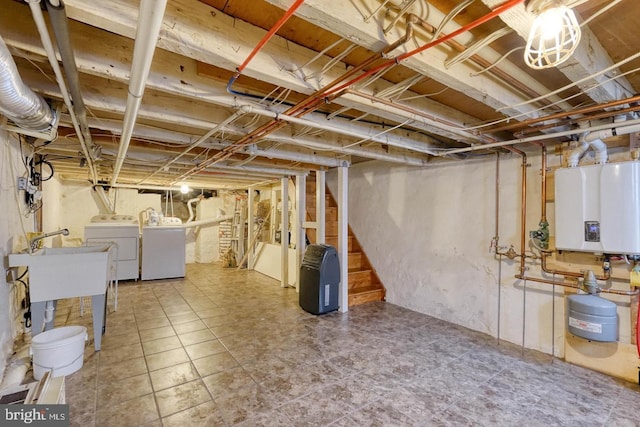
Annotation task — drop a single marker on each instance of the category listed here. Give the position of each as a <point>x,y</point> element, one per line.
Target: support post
<point>320,205</point>
<point>343,235</point>
<point>284,232</point>
<point>251,224</point>
<point>301,206</point>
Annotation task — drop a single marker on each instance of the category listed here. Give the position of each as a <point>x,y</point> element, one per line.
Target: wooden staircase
<point>364,284</point>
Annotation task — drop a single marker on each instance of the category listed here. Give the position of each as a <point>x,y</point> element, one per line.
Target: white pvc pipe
<point>205,222</point>
<point>601,151</point>
<point>301,207</point>
<point>343,237</point>
<point>576,154</point>
<point>48,312</point>
<point>608,131</point>
<point>149,23</point>
<point>251,213</point>
<point>320,207</point>
<point>191,214</point>
<point>284,232</point>
<point>38,17</point>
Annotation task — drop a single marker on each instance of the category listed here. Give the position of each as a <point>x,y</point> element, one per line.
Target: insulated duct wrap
<point>17,101</point>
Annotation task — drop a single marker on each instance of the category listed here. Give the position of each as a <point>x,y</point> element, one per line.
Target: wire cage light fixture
<point>554,35</point>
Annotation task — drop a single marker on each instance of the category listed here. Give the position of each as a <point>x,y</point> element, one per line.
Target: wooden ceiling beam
<point>347,21</point>
<point>207,35</point>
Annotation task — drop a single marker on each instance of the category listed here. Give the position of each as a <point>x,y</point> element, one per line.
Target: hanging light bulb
<point>554,35</point>
<point>184,189</point>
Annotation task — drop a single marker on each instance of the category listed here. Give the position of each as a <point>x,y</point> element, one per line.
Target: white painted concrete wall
<point>71,205</point>
<point>12,226</point>
<point>427,232</point>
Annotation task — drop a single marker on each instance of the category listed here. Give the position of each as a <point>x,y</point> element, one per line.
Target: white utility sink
<point>57,273</point>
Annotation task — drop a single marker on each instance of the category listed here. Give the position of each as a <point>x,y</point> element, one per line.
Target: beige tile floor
<point>222,348</point>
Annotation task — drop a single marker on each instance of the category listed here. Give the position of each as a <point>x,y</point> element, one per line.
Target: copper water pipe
<point>570,285</point>
<point>312,102</point>
<point>419,113</point>
<point>523,213</point>
<point>309,104</point>
<point>543,264</point>
<point>543,190</point>
<point>562,115</point>
<point>567,122</point>
<point>543,210</point>
<point>496,236</point>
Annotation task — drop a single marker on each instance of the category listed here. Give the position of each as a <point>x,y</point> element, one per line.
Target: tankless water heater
<point>598,208</point>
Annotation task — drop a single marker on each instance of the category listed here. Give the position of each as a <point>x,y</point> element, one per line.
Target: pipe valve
<point>541,234</point>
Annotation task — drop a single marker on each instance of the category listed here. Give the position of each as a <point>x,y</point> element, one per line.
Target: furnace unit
<point>319,279</point>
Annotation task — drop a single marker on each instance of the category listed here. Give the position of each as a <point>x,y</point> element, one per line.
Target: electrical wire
<point>575,83</point>
<point>11,156</point>
<point>43,161</point>
<point>568,98</point>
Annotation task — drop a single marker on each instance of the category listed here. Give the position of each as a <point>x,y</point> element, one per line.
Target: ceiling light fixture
<point>554,35</point>
<point>184,189</point>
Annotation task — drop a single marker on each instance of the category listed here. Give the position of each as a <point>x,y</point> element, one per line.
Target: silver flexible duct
<point>18,102</point>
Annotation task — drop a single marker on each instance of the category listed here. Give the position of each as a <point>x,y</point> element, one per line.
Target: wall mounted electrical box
<point>598,208</point>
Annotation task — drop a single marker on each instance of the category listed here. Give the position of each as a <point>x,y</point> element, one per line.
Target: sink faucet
<point>33,243</point>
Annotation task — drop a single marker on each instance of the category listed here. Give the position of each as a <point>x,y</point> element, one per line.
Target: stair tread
<point>366,289</point>
<point>363,284</point>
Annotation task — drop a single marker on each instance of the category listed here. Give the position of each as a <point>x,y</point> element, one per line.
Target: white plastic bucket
<point>60,350</point>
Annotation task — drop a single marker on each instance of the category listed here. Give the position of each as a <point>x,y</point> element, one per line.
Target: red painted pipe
<point>270,34</point>
<point>313,101</point>
<point>495,12</point>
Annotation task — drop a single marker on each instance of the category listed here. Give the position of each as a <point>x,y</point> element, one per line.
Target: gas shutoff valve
<point>541,234</point>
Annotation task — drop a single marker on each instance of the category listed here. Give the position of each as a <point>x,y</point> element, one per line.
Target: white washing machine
<point>124,231</point>
<point>163,252</point>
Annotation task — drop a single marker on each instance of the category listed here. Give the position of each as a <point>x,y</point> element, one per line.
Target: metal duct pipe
<point>149,23</point>
<point>103,199</point>
<point>58,18</point>
<point>17,101</point>
<point>38,18</point>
